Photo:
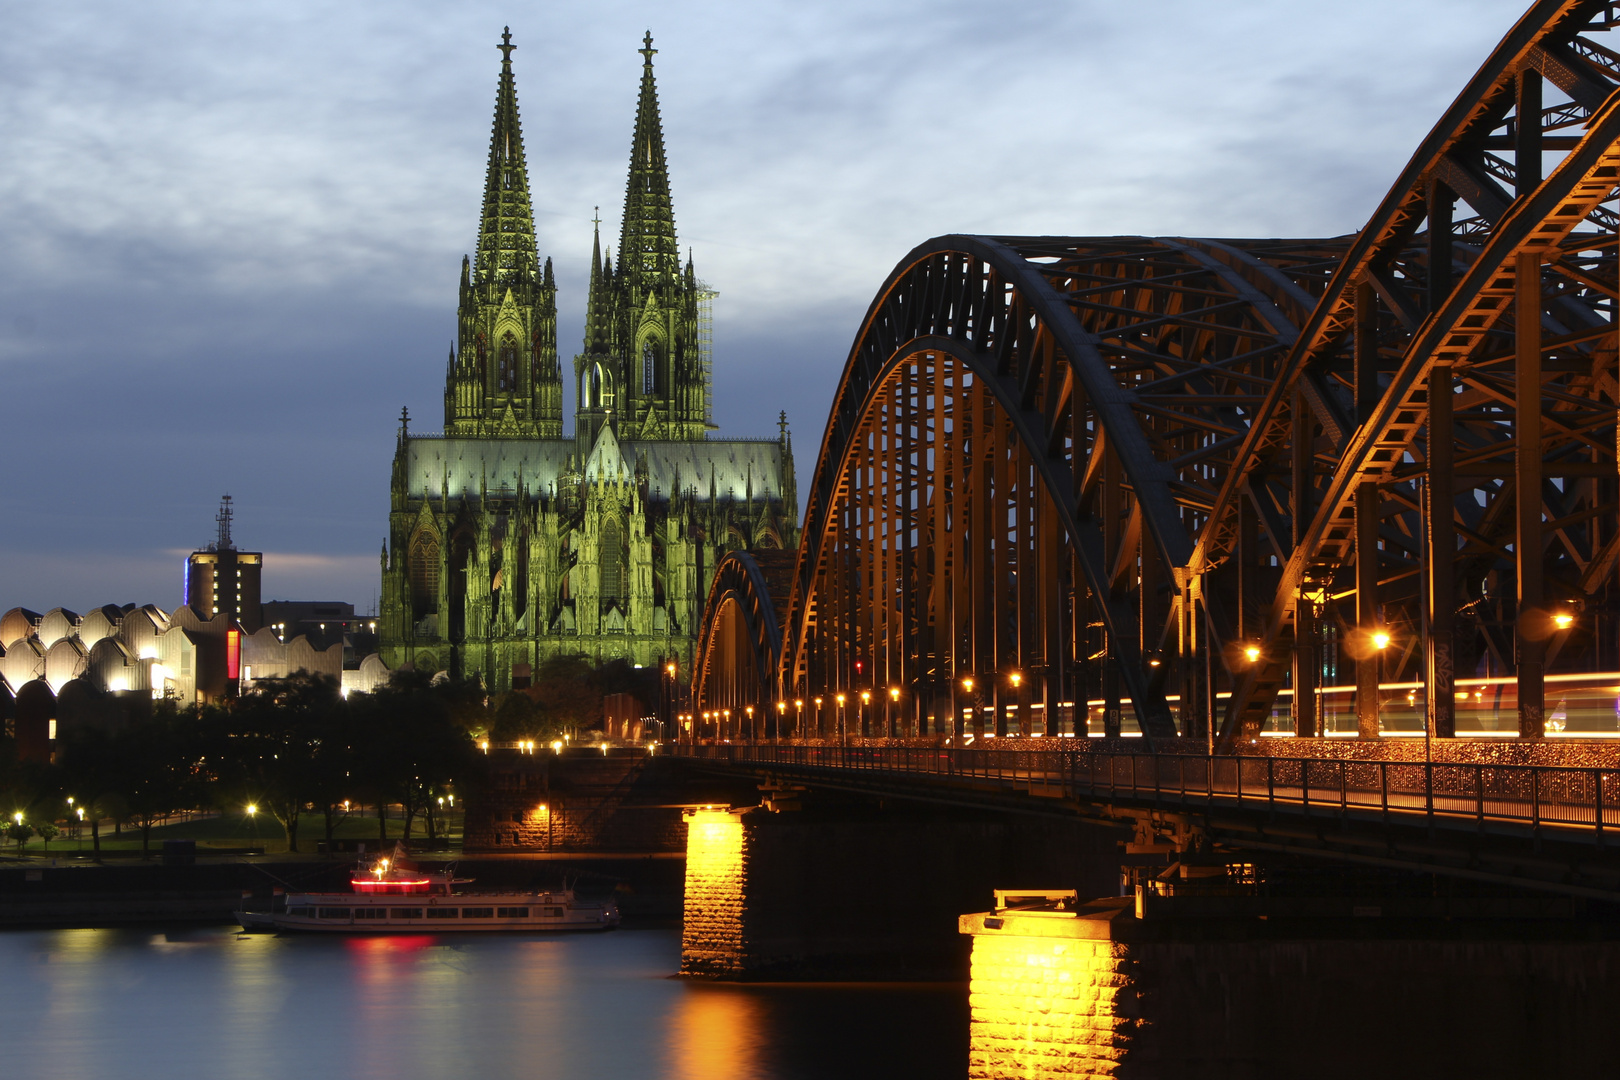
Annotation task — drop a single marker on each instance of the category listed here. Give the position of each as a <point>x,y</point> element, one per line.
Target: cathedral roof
<point>463,467</point>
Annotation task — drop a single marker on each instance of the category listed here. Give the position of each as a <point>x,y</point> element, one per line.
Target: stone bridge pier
<point>861,890</point>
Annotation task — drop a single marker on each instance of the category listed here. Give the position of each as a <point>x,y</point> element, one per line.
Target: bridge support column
<point>1367,654</point>
<point>1100,994</point>
<point>841,889</point>
<point>1440,559</point>
<point>1530,638</point>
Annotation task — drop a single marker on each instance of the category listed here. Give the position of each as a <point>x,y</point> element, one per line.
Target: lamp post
<point>866,715</point>
<point>798,718</point>
<point>841,726</point>
<point>818,717</point>
<point>973,706</point>
<point>1015,679</point>
<point>669,701</point>
<point>781,718</point>
<point>725,724</point>
<point>753,732</point>
<point>894,704</point>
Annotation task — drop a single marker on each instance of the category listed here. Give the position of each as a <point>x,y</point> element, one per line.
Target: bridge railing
<point>1452,794</point>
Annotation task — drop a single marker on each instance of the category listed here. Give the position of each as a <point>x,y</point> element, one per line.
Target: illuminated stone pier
<point>1081,990</point>
<point>855,891</point>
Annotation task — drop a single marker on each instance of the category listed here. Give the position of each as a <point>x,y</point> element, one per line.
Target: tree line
<point>295,748</point>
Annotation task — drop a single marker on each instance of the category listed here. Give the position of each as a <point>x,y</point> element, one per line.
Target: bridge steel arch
<point>1170,471</point>
<point>1407,521</point>
<point>740,644</point>
<point>1021,453</point>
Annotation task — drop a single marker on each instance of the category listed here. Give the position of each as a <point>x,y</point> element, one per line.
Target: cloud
<point>230,235</point>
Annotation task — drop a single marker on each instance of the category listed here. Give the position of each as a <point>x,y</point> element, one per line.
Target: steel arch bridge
<point>1193,479</point>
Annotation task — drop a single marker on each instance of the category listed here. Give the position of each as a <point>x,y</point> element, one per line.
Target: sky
<point>230,235</point>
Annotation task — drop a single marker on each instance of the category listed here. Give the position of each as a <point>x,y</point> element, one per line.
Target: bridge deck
<point>1474,795</point>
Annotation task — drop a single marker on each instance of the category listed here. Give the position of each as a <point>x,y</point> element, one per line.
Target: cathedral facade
<point>511,542</point>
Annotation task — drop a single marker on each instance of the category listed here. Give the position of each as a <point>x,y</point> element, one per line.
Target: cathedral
<point>511,542</point>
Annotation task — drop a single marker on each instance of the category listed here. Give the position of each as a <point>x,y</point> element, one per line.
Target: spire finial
<point>646,48</point>
<point>506,45</point>
<point>596,217</point>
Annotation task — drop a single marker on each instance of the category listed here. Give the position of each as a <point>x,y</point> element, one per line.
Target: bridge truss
<point>1185,477</point>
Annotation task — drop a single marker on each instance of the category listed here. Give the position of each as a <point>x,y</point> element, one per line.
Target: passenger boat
<point>391,896</point>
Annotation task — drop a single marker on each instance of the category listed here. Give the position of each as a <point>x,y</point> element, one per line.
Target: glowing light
<point>233,654</point>
<point>669,669</point>
<point>715,867</point>
<point>81,813</point>
<point>866,697</point>
<point>149,652</point>
<point>557,746</point>
<point>967,683</point>
<point>17,817</point>
<point>252,808</point>
<point>1016,678</point>
<point>1563,619</point>
<point>484,746</point>
<point>1380,639</point>
<point>1153,662</point>
<point>118,683</point>
<point>894,693</point>
<point>840,701</point>
<point>1251,653</point>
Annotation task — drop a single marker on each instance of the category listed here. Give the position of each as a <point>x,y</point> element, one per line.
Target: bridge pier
<point>1097,992</point>
<point>848,889</point>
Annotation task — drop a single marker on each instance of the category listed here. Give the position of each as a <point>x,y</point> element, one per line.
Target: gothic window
<point>649,367</point>
<point>424,575</point>
<point>612,561</point>
<point>599,389</point>
<point>506,376</point>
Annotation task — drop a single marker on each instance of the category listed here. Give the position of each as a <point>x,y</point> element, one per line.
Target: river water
<point>212,1004</point>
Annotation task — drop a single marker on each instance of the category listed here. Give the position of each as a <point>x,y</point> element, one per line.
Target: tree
<point>566,690</point>
<point>47,832</point>
<point>159,764</point>
<point>281,744</point>
<point>414,745</point>
<point>20,832</point>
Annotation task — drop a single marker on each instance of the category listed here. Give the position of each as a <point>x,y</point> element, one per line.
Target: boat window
<point>370,913</point>
<point>335,913</point>
<point>406,913</point>
<point>443,913</point>
<point>513,912</point>
<point>477,913</point>
<point>303,912</point>
<point>553,912</point>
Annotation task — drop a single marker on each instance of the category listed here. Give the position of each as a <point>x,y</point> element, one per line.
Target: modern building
<point>510,541</point>
<point>221,580</point>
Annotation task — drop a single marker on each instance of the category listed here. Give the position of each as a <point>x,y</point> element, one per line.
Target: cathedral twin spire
<point>641,370</point>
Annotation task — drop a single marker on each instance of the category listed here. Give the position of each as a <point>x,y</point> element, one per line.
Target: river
<point>212,1004</point>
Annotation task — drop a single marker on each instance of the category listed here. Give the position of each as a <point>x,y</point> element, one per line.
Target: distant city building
<point>62,668</point>
<point>509,542</point>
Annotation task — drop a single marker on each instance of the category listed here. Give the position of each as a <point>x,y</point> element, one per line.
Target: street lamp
<point>798,718</point>
<point>781,718</point>
<point>842,733</point>
<point>866,717</point>
<point>1251,653</point>
<point>894,703</point>
<point>753,732</point>
<point>1380,639</point>
<point>818,716</point>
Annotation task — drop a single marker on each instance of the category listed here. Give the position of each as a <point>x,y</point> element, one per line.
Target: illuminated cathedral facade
<point>511,542</point>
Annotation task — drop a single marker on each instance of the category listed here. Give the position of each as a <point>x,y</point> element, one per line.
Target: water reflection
<point>216,1005</point>
<point>715,1033</point>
